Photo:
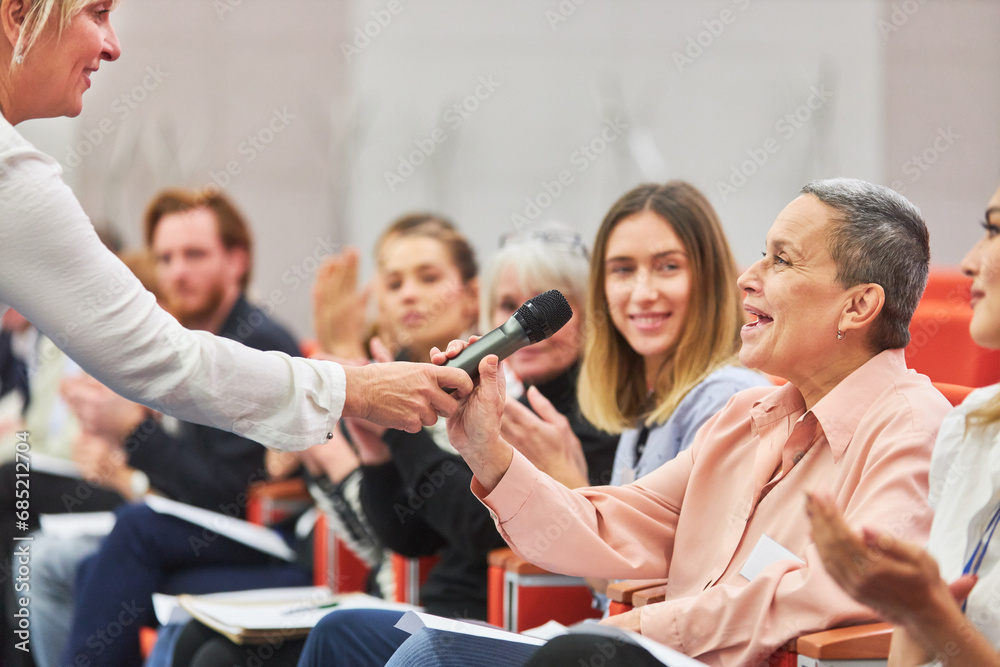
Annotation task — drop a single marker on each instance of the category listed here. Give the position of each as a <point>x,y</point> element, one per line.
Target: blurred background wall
<point>327,119</point>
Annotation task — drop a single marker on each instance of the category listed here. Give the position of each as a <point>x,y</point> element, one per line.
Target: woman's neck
<point>655,368</point>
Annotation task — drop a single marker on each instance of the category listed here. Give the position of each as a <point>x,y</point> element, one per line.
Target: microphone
<point>538,318</point>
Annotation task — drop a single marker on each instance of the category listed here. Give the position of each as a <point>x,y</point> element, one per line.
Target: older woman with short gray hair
<point>723,520</point>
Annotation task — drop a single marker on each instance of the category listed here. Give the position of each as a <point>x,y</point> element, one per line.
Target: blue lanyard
<point>976,559</point>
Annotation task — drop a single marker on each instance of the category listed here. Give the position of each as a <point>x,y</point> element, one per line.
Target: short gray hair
<point>878,237</point>
<point>547,256</point>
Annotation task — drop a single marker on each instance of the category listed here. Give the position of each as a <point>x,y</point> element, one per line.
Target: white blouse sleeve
<point>56,272</point>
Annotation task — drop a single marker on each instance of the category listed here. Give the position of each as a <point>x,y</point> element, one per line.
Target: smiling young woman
<point>660,350</point>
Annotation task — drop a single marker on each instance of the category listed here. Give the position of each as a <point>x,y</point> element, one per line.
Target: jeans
<point>148,552</point>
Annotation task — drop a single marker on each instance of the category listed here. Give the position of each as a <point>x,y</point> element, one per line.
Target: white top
<point>965,493</point>
<point>56,272</point>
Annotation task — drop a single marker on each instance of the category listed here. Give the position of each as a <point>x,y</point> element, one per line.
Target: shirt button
<point>798,457</point>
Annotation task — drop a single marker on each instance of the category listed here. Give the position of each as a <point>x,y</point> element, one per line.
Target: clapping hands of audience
<point>103,462</point>
<point>900,581</point>
<point>546,438</point>
<point>339,307</point>
<point>101,411</point>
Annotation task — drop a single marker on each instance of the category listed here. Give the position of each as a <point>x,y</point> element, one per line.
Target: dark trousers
<point>199,646</point>
<point>580,650</point>
<point>147,552</point>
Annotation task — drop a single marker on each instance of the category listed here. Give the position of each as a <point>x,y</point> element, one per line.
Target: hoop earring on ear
<point>840,335</point>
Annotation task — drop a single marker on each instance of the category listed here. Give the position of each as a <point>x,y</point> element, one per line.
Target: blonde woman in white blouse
<point>945,600</point>
<point>56,273</point>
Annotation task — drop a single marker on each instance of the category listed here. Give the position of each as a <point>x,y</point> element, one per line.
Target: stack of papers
<point>414,621</point>
<point>265,615</point>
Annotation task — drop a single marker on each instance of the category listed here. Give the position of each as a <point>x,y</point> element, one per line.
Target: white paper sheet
<point>766,552</point>
<point>258,537</point>
<point>68,526</point>
<point>273,608</point>
<point>54,465</point>
<point>413,622</point>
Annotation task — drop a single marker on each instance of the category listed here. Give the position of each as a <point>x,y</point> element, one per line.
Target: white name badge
<point>766,552</point>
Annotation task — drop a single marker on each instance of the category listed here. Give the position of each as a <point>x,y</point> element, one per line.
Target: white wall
<point>553,87</point>
<point>615,61</point>
<point>943,120</point>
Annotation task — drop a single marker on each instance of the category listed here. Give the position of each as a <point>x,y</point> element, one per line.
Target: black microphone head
<point>543,315</point>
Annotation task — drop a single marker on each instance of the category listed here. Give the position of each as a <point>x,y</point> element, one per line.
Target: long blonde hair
<point>37,17</point>
<point>612,390</point>
<point>984,416</point>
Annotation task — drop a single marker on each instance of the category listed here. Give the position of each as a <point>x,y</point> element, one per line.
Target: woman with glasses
<point>662,333</point>
<point>544,375</point>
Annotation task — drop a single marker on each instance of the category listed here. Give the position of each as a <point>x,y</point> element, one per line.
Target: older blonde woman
<point>52,264</point>
<point>843,268</point>
<point>942,600</point>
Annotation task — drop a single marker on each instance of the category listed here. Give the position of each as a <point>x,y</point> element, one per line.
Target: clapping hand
<point>546,438</point>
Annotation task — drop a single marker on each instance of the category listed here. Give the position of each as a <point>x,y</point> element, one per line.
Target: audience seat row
<point>522,595</point>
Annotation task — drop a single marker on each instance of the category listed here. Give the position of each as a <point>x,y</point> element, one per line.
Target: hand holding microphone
<point>474,428</point>
<point>537,319</point>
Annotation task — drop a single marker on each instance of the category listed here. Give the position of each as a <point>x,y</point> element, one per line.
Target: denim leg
<point>438,648</point>
<point>353,638</point>
<point>53,574</point>
<point>115,586</point>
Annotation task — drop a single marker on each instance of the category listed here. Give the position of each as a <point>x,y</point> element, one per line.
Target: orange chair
<point>523,596</point>
<point>949,285</point>
<point>309,347</point>
<point>630,593</point>
<point>339,568</point>
<point>410,575</point>
<point>942,349</point>
<point>271,502</point>
<point>335,565</point>
<point>955,393</point>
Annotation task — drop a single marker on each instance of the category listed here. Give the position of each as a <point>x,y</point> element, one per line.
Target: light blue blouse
<point>676,434</point>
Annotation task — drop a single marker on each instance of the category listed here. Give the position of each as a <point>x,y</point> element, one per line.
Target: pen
<point>295,610</point>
